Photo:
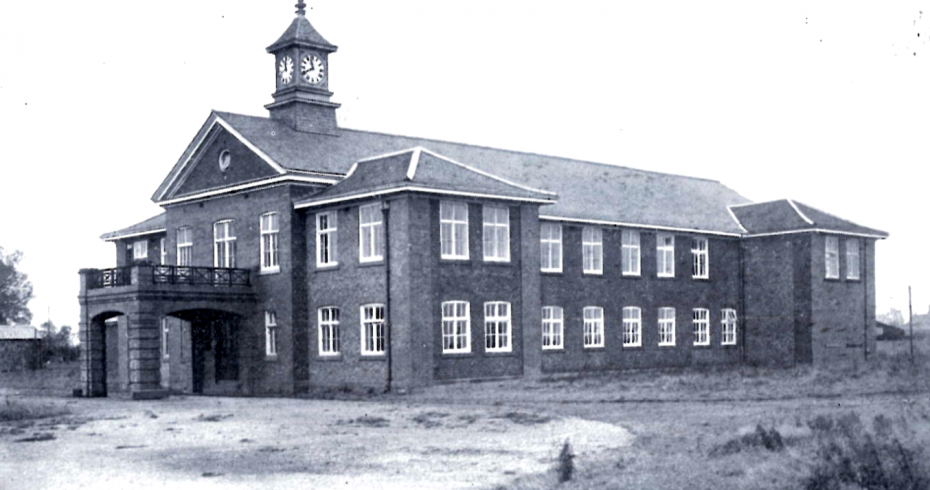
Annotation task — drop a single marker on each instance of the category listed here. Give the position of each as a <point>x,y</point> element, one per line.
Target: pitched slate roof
<point>20,332</point>
<point>155,224</point>
<point>786,215</point>
<point>586,190</point>
<point>301,32</point>
<point>421,170</point>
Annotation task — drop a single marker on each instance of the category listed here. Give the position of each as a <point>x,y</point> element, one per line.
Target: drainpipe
<point>864,274</point>
<point>742,304</point>
<point>386,210</point>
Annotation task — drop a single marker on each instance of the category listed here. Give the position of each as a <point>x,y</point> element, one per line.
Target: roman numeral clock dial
<point>312,69</point>
<point>286,69</point>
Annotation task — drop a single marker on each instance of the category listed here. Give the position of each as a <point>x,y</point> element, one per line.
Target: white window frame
<point>185,246</point>
<point>700,326</point>
<point>592,250</point>
<point>700,258</point>
<point>498,328</point>
<point>163,252</point>
<point>452,229</point>
<point>553,328</point>
<point>452,320</point>
<point>593,333</point>
<point>271,334</point>
<point>496,233</point>
<point>164,338</point>
<point>631,252</point>
<point>852,259</point>
<point>729,323</point>
<point>330,325</point>
<point>227,243</point>
<point>632,326</point>
<point>666,326</point>
<point>330,236</point>
<point>665,255</point>
<point>269,226</point>
<point>140,250</point>
<point>373,331</point>
<point>831,247</point>
<point>548,244</point>
<point>373,230</point>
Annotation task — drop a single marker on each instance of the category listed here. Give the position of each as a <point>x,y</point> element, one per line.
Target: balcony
<point>166,274</point>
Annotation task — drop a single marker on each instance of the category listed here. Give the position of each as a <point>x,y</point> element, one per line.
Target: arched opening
<point>201,351</point>
<point>107,364</point>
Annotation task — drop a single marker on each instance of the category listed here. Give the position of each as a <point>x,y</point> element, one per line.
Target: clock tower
<point>302,78</point>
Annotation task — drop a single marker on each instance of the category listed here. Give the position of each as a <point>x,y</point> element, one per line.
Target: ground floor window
<point>372,330</point>
<point>329,331</point>
<point>700,321</point>
<point>271,334</point>
<point>552,325</point>
<point>497,327</point>
<point>593,326</point>
<point>666,326</point>
<point>456,327</point>
<point>632,327</point>
<point>729,326</point>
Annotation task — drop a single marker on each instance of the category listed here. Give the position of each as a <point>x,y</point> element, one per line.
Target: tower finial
<point>301,8</point>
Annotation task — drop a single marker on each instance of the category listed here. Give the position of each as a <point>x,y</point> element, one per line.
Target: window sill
<point>371,263</point>
<point>453,355</point>
<point>553,350</point>
<point>592,274</point>
<point>664,277</point>
<point>701,346</point>
<point>853,279</point>
<point>448,258</point>
<point>701,279</point>
<point>832,279</point>
<point>497,263</point>
<point>594,348</point>
<point>332,358</point>
<point>268,272</point>
<point>631,276</point>
<point>666,345</point>
<point>499,353</point>
<point>551,272</point>
<point>327,267</point>
<point>637,346</point>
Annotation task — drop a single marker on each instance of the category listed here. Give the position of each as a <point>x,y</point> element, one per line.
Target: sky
<point>827,103</point>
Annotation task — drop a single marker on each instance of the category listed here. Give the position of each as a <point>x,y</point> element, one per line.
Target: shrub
<point>566,463</point>
<point>770,440</point>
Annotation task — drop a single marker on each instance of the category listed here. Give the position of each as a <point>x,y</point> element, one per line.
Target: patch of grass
<point>217,417</point>
<point>367,421</point>
<point>523,418</point>
<point>761,438</point>
<point>38,437</point>
<point>19,410</point>
<point>430,420</point>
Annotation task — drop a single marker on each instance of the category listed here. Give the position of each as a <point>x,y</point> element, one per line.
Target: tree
<point>15,290</point>
<point>893,317</point>
<point>57,344</point>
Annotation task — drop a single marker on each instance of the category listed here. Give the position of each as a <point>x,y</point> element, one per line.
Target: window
<point>271,334</point>
<point>372,330</point>
<point>456,327</point>
<point>700,322</point>
<point>852,258</point>
<point>631,252</point>
<point>551,247</point>
<point>185,246</point>
<point>666,326</point>
<point>632,327</point>
<point>729,327</point>
<point>552,327</point>
<point>593,326</point>
<point>370,224</point>
<point>665,255</point>
<point>329,331</point>
<point>699,269</point>
<point>140,250</point>
<point>326,227</point>
<point>269,242</point>
<point>496,234</point>
<point>224,244</point>
<point>832,246</point>
<point>497,327</point>
<point>592,250</point>
<point>164,337</point>
<point>453,230</point>
<point>163,259</point>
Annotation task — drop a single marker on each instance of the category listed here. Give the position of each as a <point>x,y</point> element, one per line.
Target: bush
<point>770,440</point>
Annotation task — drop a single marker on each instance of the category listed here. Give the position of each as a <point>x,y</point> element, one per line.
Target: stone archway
<point>100,355</point>
<point>206,354</point>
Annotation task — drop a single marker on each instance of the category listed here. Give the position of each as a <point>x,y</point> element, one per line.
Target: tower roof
<point>301,33</point>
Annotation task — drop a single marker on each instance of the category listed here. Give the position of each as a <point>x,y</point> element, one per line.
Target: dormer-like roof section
<point>788,216</point>
<point>301,33</point>
<point>151,226</point>
<point>421,170</point>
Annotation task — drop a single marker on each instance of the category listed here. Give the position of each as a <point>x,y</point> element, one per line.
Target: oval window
<point>224,160</point>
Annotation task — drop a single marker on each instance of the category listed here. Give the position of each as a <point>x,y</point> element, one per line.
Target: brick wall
<point>769,285</point>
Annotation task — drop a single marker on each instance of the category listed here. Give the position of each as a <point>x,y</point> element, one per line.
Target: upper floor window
<point>271,334</point>
<point>551,247</point>
<point>832,253</point>
<point>852,258</point>
<point>269,242</point>
<point>497,327</point>
<point>592,250</point>
<point>665,255</point>
<point>329,331</point>
<point>224,244</point>
<point>496,233</point>
<point>552,327</point>
<point>370,228</point>
<point>372,330</point>
<point>632,327</point>
<point>185,246</point>
<point>699,267</point>
<point>456,327</point>
<point>163,252</point>
<point>700,322</point>
<point>666,326</point>
<point>140,250</point>
<point>729,326</point>
<point>593,326</point>
<point>631,252</point>
<point>453,230</point>
<point>326,239</point>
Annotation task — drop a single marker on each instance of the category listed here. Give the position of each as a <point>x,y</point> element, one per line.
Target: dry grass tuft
<point>20,410</point>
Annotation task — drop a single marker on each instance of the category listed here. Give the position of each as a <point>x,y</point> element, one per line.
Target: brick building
<point>293,253</point>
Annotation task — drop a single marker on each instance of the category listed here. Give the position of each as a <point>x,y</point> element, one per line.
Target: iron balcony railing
<point>110,278</point>
<point>168,274</point>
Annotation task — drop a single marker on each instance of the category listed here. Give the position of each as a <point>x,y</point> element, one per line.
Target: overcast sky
<point>826,103</point>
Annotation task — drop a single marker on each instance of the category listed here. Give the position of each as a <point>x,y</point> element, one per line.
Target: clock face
<point>286,69</point>
<point>312,68</point>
